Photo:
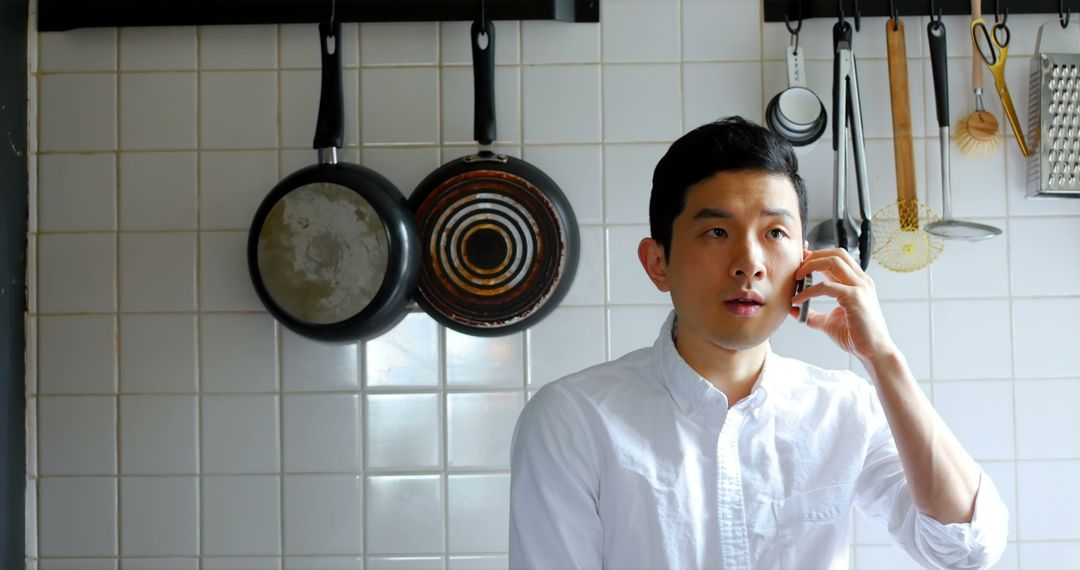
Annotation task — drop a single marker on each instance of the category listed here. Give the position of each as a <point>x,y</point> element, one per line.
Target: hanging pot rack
<point>777,10</point>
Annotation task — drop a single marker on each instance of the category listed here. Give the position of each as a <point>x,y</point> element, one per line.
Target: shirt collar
<point>696,396</point>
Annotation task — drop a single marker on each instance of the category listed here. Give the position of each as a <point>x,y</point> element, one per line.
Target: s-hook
<point>797,29</point>
<point>935,15</point>
<point>1063,9</point>
<point>895,14</point>
<point>840,12</point>
<point>1004,18</point>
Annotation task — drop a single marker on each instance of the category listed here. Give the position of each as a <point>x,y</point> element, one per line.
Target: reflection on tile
<point>479,427</point>
<point>404,514</point>
<point>408,355</point>
<point>403,431</point>
<point>568,340</point>
<point>489,362</point>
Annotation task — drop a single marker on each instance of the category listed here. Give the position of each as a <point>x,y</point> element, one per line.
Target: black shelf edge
<point>776,9</point>
<point>61,15</point>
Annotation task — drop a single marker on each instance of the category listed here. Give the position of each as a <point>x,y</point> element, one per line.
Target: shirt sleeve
<point>554,487</point>
<point>883,495</point>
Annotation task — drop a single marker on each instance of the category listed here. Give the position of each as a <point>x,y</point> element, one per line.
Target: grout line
<point>279,398</point>
<point>118,424</point>
<point>199,404</point>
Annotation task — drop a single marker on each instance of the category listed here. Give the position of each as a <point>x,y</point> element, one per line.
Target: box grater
<point>1054,114</point>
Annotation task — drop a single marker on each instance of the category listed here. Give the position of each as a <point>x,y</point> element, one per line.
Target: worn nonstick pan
<point>499,240</point>
<point>333,250</point>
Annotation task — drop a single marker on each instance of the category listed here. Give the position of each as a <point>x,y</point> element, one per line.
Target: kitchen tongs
<point>846,104</point>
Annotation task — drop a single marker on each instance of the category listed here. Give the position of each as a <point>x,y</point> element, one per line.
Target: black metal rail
<point>775,10</point>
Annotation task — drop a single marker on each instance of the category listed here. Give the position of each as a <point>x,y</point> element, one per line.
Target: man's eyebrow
<point>710,213</point>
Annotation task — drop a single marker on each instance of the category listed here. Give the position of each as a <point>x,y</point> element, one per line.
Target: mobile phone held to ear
<point>804,308</point>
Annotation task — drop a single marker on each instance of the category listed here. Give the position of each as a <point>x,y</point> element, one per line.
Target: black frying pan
<point>333,249</point>
<point>499,239</point>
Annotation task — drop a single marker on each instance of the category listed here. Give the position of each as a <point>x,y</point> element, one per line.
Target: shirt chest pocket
<point>811,526</point>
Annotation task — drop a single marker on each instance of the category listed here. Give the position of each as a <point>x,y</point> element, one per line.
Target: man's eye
<point>777,233</point>
<point>717,232</point>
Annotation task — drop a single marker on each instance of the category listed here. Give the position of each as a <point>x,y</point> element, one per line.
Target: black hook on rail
<point>1063,9</point>
<point>895,14</point>
<point>794,31</point>
<point>1004,18</point>
<point>935,14</point>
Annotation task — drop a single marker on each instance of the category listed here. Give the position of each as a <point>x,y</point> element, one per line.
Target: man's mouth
<point>745,305</point>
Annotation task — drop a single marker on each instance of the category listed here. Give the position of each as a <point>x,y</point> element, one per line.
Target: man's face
<point>733,254</point>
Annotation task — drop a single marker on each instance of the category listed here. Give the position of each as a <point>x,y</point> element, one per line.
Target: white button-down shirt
<point>639,463</point>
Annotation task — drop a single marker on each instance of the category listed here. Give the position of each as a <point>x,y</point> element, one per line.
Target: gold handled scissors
<point>993,47</point>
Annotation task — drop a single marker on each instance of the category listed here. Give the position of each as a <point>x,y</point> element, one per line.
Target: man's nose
<point>749,262</point>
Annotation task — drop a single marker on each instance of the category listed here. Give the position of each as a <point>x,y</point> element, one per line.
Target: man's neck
<point>732,371</point>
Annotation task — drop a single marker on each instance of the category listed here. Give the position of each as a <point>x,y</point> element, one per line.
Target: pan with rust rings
<point>498,238</point>
<point>333,250</point>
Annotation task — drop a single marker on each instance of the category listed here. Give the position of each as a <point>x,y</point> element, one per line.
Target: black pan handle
<point>484,82</point>
<point>936,31</point>
<point>330,125</point>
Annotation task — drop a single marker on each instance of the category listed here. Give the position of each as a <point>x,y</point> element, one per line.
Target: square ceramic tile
<point>77,516</point>
<point>628,173</point>
<point>491,562</point>
<point>77,273</point>
<point>479,427</point>
<point>555,42</point>
<point>640,30</point>
<point>300,45</point>
<point>971,339</point>
<point>893,286</point>
<point>399,105</point>
<point>73,564</point>
<point>157,353</point>
<point>555,112</point>
<point>77,355</point>
<point>1046,427</point>
<point>952,274</point>
<point>241,515</point>
<point>77,192</point>
<point>458,104</point>
<point>238,563</point>
<point>77,113</point>
<point>159,516</point>
<point>715,31</point>
<point>1043,488</point>
<point>455,43</point>
<point>237,353</point>
<point>574,334</point>
<point>588,285</point>
<point>157,48</point>
<point>715,90</point>
<point>238,109</point>
<point>485,362</point>
<point>158,191</point>
<point>157,111</point>
<point>578,171</point>
<point>404,563</point>
<point>224,282</point>
<point>333,420</point>
<point>980,414</point>
<point>404,167</point>
<point>77,435</point>
<point>399,43</point>
<point>796,340</point>
<point>909,326</point>
<point>1037,269</point>
<point>157,271</point>
<point>408,355</point>
<point>158,435</point>
<point>238,47</point>
<point>404,514</point>
<point>977,184</point>
<point>312,365</point>
<point>232,185</point>
<point>1044,339</point>
<point>653,113</point>
<point>627,281</point>
<point>631,328</point>
<point>86,49</point>
<point>323,514</point>
<point>324,563</point>
<point>1051,554</point>
<point>240,434</point>
<point>479,513</point>
<point>300,107</point>
<point>404,431</point>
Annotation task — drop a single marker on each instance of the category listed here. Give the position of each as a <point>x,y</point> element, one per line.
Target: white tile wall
<point>176,425</point>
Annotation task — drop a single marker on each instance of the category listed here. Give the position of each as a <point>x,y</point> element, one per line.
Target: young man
<point>708,450</point>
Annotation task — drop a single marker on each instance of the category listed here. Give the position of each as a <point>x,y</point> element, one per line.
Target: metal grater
<point>1054,114</point>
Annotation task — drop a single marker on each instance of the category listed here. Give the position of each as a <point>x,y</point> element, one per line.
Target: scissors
<point>993,47</point>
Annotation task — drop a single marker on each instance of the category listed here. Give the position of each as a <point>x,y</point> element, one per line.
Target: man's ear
<point>651,255</point>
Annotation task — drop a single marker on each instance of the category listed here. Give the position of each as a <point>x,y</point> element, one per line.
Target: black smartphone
<point>804,308</point>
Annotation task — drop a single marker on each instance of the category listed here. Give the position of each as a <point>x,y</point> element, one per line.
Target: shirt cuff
<point>976,544</point>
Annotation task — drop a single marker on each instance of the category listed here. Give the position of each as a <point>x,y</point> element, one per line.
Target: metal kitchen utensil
<point>900,243</point>
<point>796,114</point>
<point>847,111</point>
<point>948,228</point>
<point>1054,113</point>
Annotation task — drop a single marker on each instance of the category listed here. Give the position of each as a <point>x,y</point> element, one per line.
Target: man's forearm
<point>941,474</point>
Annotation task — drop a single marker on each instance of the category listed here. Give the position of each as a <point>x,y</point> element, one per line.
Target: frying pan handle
<point>330,125</point>
<point>865,244</point>
<point>484,81</point>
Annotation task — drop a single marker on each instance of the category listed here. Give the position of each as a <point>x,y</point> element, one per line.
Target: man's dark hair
<point>730,144</point>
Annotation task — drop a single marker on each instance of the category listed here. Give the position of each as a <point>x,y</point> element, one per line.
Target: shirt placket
<point>734,543</point>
